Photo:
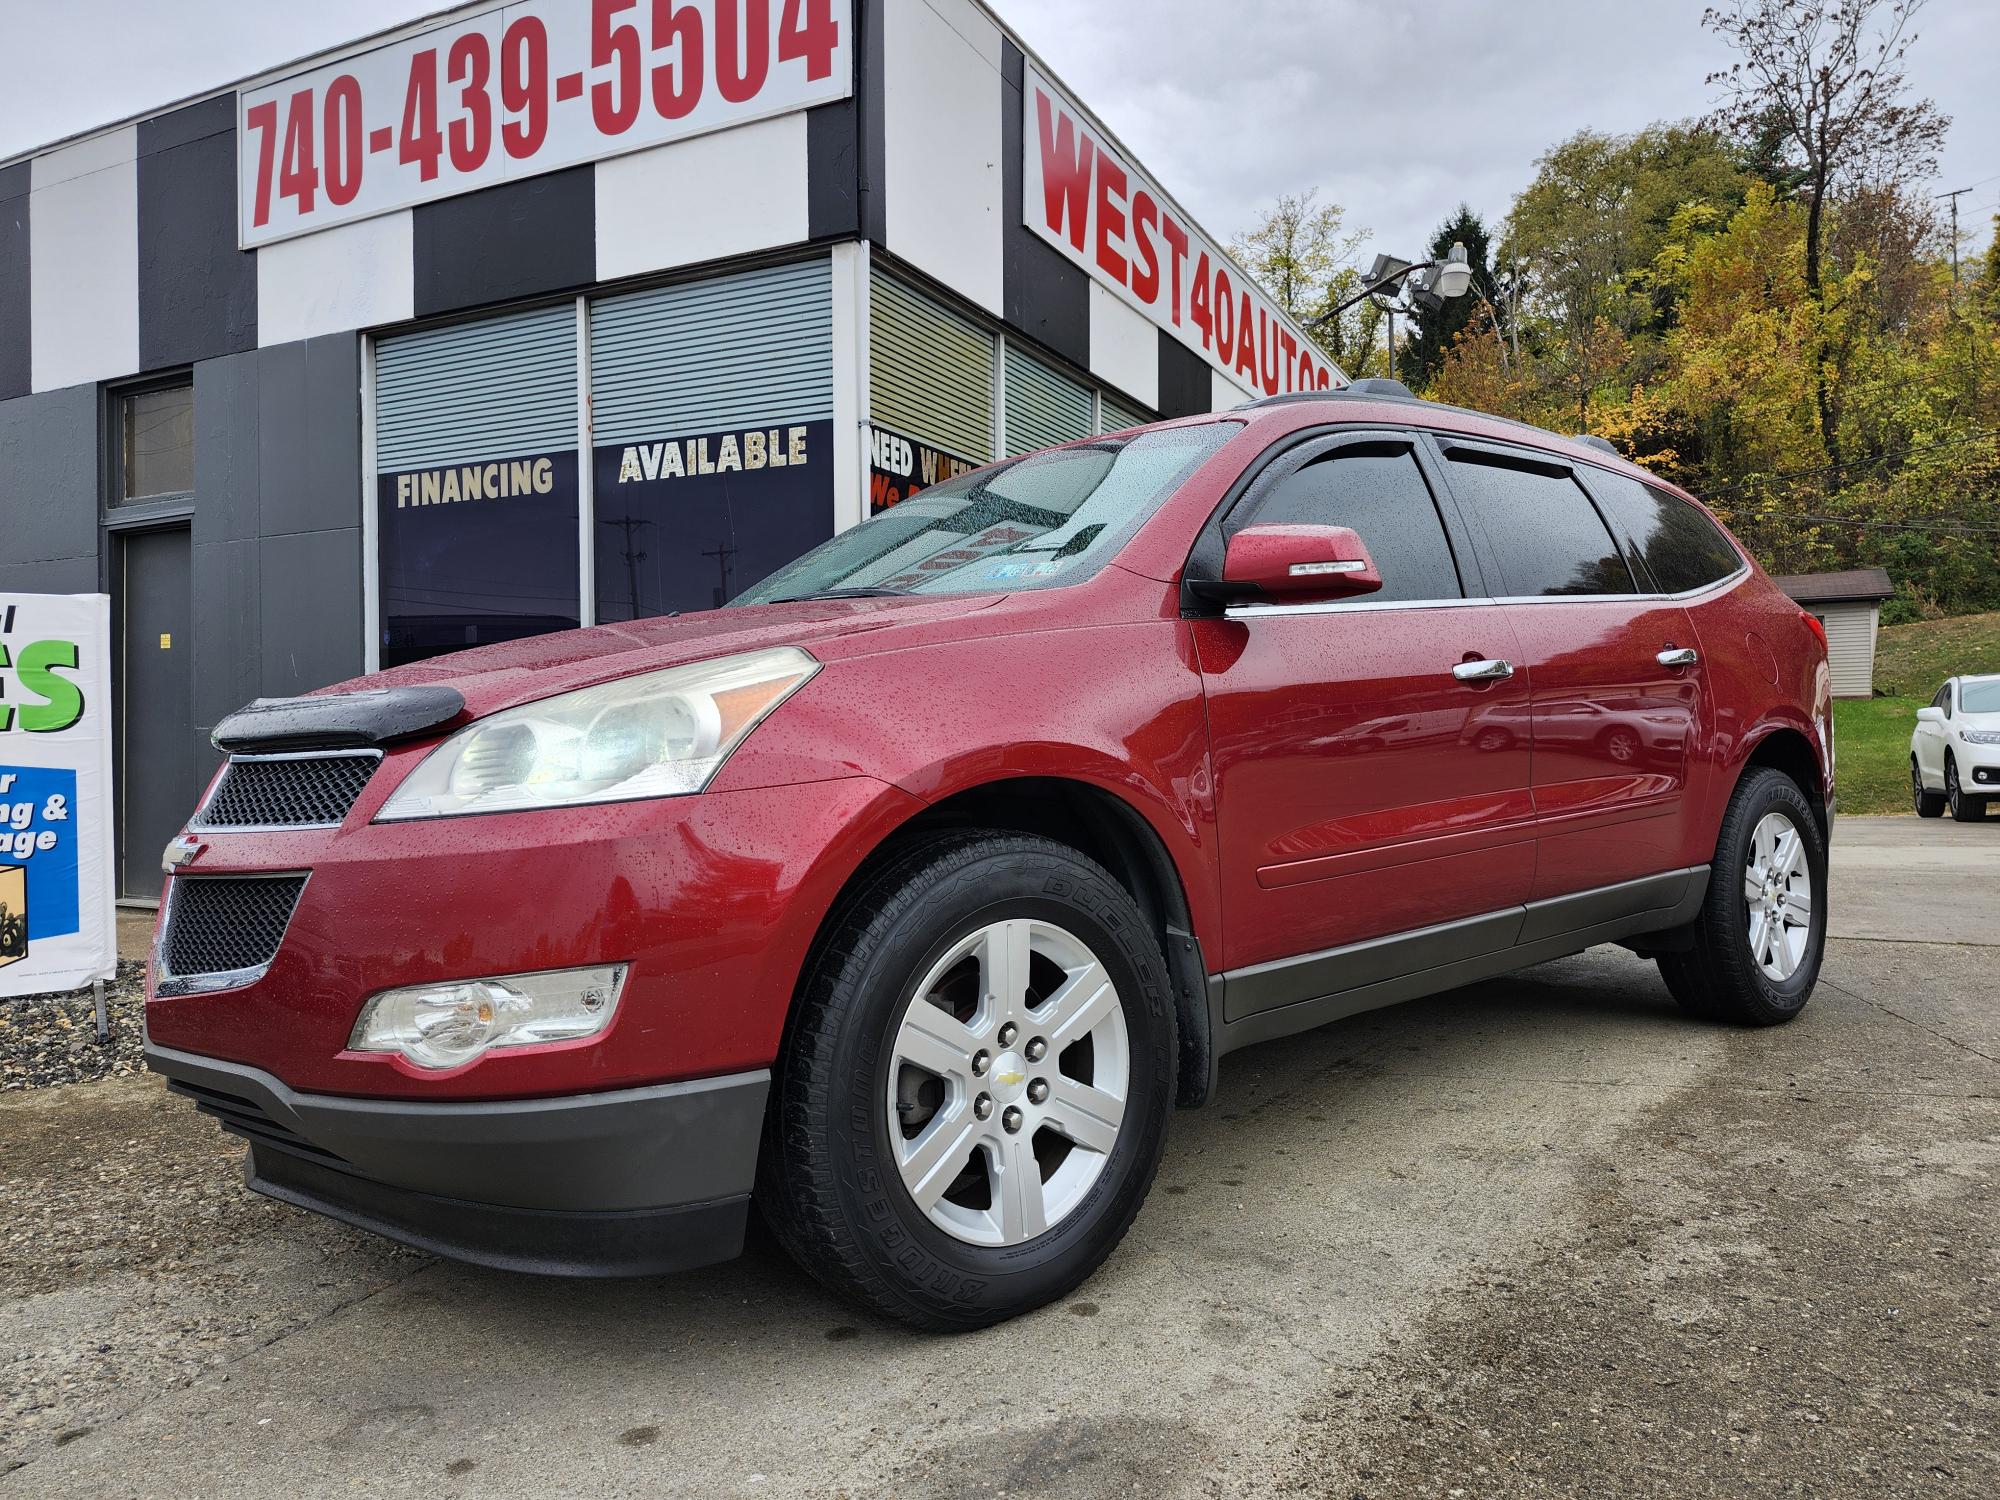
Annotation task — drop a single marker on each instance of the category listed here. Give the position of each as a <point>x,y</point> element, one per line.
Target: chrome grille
<point>308,790</point>
<point>224,924</point>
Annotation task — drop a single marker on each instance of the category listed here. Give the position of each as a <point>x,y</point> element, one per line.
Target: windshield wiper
<point>853,593</point>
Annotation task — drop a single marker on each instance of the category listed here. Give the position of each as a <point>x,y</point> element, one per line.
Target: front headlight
<point>1981,736</point>
<point>663,734</point>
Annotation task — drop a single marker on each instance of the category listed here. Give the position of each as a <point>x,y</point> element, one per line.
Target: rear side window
<point>1379,492</point>
<point>1545,534</point>
<point>1679,545</point>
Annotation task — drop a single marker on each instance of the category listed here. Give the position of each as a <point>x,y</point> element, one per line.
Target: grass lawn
<point>1872,737</point>
<point>1871,742</point>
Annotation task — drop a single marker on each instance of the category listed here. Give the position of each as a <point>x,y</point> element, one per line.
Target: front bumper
<point>628,1182</point>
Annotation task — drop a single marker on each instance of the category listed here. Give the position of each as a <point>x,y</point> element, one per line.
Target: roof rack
<point>1374,388</point>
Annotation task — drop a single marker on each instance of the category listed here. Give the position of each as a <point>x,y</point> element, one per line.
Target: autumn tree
<point>1827,79</point>
<point>1302,252</point>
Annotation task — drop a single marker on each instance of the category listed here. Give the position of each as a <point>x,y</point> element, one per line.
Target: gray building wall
<point>277,523</point>
<point>48,492</point>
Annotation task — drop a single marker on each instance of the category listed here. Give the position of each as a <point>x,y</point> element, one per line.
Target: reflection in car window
<point>1980,697</point>
<point>1680,546</point>
<point>1051,518</point>
<point>1379,492</point>
<point>1545,534</point>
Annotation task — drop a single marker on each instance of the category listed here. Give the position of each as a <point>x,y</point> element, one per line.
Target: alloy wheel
<point>1778,896</point>
<point>1007,1082</point>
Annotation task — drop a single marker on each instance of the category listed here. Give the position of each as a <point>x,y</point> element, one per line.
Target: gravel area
<point>47,1040</point>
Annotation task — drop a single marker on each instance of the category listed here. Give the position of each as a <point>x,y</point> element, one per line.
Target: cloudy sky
<point>1397,111</point>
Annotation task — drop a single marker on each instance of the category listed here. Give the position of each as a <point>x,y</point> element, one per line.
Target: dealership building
<point>564,312</point>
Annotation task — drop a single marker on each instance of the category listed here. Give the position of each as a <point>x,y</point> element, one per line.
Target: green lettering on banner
<point>63,704</point>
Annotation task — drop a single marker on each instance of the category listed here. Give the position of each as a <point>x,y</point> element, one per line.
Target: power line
<point>1852,463</point>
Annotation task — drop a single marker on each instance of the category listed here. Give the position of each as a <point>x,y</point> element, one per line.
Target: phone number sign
<point>519,90</point>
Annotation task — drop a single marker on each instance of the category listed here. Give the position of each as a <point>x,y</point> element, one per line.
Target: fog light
<point>445,1025</point>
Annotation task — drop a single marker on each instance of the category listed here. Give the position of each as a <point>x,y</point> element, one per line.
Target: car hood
<point>1978,721</point>
<point>491,678</point>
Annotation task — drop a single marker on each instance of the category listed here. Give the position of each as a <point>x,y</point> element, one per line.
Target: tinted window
<point>1545,533</point>
<point>1380,493</point>
<point>1680,546</point>
<point>1980,697</point>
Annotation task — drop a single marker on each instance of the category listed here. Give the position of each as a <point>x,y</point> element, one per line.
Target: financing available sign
<point>57,927</point>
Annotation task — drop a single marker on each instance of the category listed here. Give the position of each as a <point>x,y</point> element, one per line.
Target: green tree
<point>1302,253</point>
<point>1436,329</point>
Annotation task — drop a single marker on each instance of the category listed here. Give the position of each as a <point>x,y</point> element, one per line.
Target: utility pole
<point>630,525</point>
<point>722,552</point>
<point>1954,195</point>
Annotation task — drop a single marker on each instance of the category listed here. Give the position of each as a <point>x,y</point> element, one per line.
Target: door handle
<point>1483,671</point>
<point>1678,656</point>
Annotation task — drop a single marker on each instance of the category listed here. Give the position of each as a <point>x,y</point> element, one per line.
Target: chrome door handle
<point>1681,656</point>
<point>1483,671</point>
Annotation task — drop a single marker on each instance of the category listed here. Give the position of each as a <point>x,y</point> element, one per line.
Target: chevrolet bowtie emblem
<point>1008,1080</point>
<point>182,851</point>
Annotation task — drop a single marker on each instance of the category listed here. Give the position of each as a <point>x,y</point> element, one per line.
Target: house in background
<point>1849,604</point>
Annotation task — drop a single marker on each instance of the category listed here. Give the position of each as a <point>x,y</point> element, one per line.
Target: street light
<point>1429,283</point>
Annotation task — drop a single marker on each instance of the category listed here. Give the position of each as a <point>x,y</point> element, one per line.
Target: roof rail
<point>1374,388</point>
<point>1592,440</point>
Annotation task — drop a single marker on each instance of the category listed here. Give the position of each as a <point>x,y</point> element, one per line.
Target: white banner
<point>1101,212</point>
<point>57,921</point>
<point>521,90</point>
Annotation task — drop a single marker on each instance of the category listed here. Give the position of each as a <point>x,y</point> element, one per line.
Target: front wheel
<point>1964,808</point>
<point>973,1095</point>
<point>1761,933</point>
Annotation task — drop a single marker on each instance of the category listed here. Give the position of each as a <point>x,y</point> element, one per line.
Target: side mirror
<point>1298,563</point>
<point>1929,714</point>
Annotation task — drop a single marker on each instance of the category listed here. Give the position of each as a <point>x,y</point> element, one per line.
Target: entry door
<point>158,778</point>
<point>1363,789</point>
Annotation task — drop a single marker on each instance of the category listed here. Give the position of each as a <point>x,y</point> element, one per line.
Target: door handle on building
<point>1483,671</point>
<point>1678,656</point>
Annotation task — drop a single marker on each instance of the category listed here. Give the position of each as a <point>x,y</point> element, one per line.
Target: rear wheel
<point>973,1096</point>
<point>1761,933</point>
<point>1929,804</point>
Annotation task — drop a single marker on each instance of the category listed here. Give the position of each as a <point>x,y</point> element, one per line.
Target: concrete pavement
<point>1542,1235</point>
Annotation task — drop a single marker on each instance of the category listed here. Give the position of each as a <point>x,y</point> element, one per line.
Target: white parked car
<point>1955,749</point>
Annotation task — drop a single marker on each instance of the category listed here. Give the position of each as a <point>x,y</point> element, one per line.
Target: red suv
<point>909,894</point>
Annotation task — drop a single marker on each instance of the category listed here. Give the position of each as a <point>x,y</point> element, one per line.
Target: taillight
<point>1816,625</point>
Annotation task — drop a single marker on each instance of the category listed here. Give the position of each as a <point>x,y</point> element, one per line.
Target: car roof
<point>1390,403</point>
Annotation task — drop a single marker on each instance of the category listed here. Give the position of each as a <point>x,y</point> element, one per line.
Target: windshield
<point>1979,697</point>
<point>1051,518</point>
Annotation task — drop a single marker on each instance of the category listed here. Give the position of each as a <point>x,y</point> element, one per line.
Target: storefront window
<point>476,483</point>
<point>712,431</point>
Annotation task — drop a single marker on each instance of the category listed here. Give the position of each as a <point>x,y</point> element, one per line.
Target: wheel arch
<point>1789,749</point>
<point>1103,826</point>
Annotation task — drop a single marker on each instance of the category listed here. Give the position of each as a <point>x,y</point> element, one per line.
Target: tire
<point>1964,807</point>
<point>1718,977</point>
<point>1929,804</point>
<point>849,1109</point>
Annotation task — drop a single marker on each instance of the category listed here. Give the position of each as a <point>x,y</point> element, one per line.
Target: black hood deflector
<point>338,721</point>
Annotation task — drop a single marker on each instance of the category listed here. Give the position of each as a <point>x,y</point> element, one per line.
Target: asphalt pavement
<point>1538,1236</point>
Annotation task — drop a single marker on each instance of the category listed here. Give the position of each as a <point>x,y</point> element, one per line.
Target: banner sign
<point>476,553</point>
<point>899,467</point>
<point>520,90</point>
<point>1101,212</point>
<point>57,920</point>
<point>687,521</point>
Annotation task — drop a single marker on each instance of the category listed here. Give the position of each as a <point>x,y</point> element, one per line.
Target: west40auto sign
<point>56,916</point>
<point>1082,196</point>
<point>519,90</point>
